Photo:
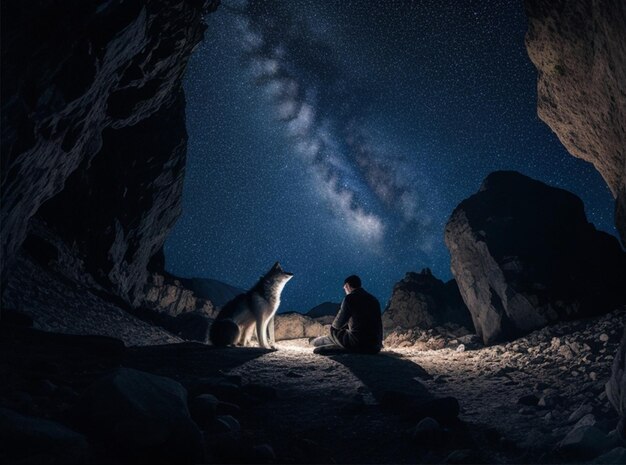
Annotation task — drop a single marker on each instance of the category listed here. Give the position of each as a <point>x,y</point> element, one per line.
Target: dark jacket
<point>358,323</point>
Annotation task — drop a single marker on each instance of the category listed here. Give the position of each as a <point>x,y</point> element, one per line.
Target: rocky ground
<point>519,402</point>
<point>58,304</point>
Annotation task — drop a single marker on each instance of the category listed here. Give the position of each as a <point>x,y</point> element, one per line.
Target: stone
<point>28,439</point>
<point>444,409</point>
<point>427,433</point>
<point>580,412</point>
<point>293,325</point>
<point>203,409</point>
<point>604,337</point>
<point>524,256</point>
<point>263,453</point>
<point>460,348</point>
<point>578,50</point>
<point>142,417</point>
<point>420,300</point>
<point>583,443</point>
<point>615,456</point>
<point>530,400</point>
<point>462,456</point>
<point>549,400</point>
<point>227,408</point>
<point>616,385</point>
<point>225,424</point>
<point>587,420</point>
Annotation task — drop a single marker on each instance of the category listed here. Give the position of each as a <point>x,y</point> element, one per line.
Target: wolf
<point>237,320</point>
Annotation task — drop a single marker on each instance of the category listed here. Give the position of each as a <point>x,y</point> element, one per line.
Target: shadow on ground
<point>190,358</point>
<point>393,380</point>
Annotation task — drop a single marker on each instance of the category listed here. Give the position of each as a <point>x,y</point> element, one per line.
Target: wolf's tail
<point>224,332</point>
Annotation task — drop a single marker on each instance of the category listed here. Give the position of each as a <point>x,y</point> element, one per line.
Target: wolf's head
<point>274,281</point>
<point>276,273</point>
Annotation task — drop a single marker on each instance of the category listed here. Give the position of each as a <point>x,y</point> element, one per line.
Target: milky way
<point>338,136</point>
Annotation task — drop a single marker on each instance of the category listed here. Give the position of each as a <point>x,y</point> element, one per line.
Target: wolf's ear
<point>277,267</point>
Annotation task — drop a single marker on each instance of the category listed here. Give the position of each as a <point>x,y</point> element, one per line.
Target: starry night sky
<point>338,136</point>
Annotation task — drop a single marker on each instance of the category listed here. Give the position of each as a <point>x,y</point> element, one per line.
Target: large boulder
<point>420,300</point>
<point>142,417</point>
<point>25,439</point>
<point>293,325</point>
<point>93,127</point>
<point>616,386</point>
<point>578,49</point>
<point>524,255</point>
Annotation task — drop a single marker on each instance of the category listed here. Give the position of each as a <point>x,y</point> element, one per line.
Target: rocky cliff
<point>93,130</point>
<point>166,294</point>
<point>524,255</point>
<point>578,49</point>
<point>421,301</point>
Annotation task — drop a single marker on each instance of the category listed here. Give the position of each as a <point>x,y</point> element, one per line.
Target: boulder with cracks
<point>524,255</point>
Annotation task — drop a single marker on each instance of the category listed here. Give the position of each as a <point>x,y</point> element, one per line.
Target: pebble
<point>263,453</point>
<point>604,337</point>
<point>580,412</point>
<point>461,348</point>
<point>226,424</point>
<point>587,420</point>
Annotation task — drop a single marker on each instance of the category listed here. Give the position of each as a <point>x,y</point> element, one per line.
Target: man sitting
<point>357,326</point>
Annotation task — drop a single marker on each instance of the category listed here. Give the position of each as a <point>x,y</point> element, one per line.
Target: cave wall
<point>579,52</point>
<point>93,127</point>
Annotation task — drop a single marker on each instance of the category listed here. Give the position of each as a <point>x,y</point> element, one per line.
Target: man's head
<point>351,283</point>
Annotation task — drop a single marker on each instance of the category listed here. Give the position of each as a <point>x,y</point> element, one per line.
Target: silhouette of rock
<point>142,417</point>
<point>97,129</point>
<point>616,386</point>
<point>578,49</point>
<point>420,300</point>
<point>217,292</point>
<point>524,255</point>
<point>35,440</point>
<point>324,309</point>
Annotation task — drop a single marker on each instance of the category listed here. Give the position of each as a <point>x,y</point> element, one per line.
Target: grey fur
<point>252,310</point>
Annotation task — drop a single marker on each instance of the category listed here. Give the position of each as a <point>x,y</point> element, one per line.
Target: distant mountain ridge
<point>218,292</point>
<point>324,309</point>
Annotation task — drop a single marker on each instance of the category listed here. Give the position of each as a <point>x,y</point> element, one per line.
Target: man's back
<point>363,310</point>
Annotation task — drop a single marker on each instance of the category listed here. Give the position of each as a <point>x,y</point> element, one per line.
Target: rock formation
<point>86,134</point>
<point>420,300</point>
<point>165,293</point>
<point>616,386</point>
<point>524,255</point>
<point>578,49</point>
<point>293,325</point>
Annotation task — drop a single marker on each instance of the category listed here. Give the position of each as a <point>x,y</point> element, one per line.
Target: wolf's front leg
<point>271,328</point>
<point>261,333</point>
